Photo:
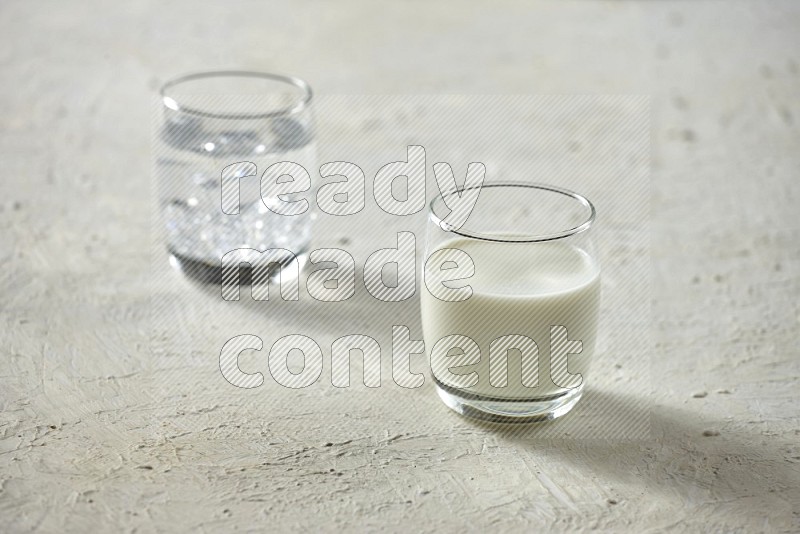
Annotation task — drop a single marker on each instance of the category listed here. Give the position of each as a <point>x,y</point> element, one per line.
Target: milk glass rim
<point>518,238</point>
<point>171,103</point>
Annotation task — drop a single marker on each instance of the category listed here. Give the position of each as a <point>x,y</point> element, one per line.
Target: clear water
<point>189,168</point>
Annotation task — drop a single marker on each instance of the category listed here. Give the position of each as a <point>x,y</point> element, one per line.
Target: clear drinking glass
<point>509,312</point>
<point>216,120</point>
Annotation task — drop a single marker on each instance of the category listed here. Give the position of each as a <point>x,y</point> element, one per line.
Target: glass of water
<point>509,314</point>
<point>230,125</point>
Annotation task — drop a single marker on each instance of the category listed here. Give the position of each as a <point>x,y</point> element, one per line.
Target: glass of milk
<point>510,303</point>
<point>239,123</point>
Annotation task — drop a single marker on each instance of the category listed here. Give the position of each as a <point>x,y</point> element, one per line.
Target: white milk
<point>519,288</point>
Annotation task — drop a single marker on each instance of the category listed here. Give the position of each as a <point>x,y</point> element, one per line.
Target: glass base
<point>208,273</point>
<point>498,410</point>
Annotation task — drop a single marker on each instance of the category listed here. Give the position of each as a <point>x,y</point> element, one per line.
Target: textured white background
<point>94,435</point>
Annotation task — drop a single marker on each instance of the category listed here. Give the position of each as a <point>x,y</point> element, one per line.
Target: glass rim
<point>524,238</point>
<point>171,103</point>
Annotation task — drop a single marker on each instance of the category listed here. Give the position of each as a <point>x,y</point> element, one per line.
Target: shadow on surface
<point>693,459</point>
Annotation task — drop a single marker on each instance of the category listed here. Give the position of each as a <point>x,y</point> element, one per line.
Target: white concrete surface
<point>97,434</point>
